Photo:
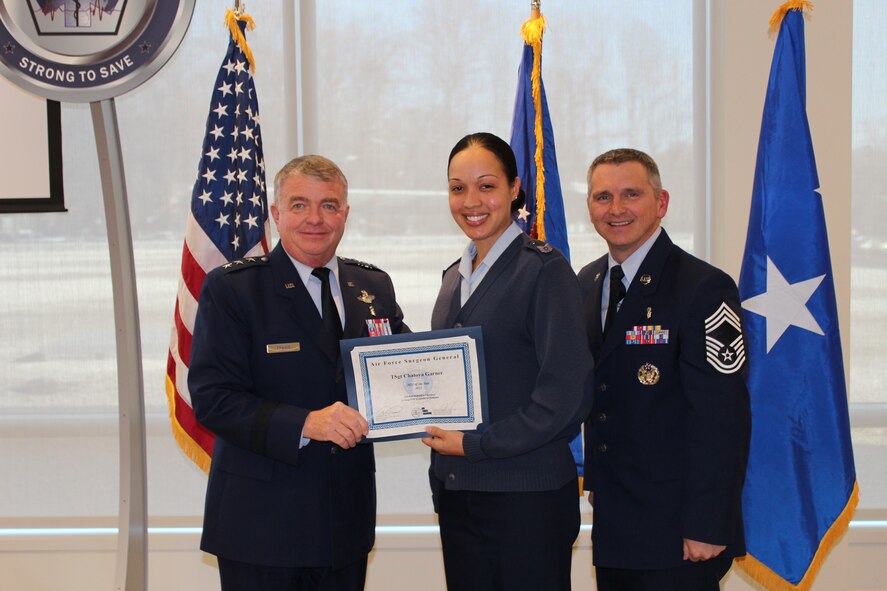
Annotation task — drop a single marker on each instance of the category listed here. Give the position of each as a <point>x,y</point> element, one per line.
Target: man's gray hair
<point>313,166</point>
<point>622,155</point>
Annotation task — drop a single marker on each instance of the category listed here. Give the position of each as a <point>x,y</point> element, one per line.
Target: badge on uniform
<point>368,298</point>
<point>646,335</point>
<point>378,327</point>
<point>724,349</point>
<point>648,374</point>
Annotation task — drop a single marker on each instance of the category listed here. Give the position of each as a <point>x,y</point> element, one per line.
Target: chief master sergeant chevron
<point>667,438</point>
<point>291,500</point>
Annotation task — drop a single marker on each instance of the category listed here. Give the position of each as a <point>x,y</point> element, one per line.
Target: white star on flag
<point>784,305</point>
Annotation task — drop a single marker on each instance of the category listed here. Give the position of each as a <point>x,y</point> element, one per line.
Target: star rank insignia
<point>360,264</point>
<point>724,349</point>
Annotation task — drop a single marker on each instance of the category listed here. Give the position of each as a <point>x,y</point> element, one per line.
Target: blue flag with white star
<point>526,144</point>
<point>800,489</point>
<point>531,149</point>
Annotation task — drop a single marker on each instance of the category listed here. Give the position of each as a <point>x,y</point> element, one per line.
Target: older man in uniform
<point>667,439</point>
<point>291,499</point>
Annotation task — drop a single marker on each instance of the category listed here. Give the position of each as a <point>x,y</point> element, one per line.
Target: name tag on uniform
<point>282,347</point>
<point>646,335</point>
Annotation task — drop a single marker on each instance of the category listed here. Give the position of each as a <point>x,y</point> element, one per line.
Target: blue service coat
<point>268,502</point>
<point>667,439</point>
<point>538,371</point>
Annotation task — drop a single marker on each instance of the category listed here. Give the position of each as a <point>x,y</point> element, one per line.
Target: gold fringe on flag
<point>231,18</point>
<point>776,19</point>
<point>772,581</point>
<point>188,445</point>
<point>531,31</point>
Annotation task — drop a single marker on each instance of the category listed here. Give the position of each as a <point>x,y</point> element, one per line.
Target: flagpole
<point>132,544</point>
<point>535,8</point>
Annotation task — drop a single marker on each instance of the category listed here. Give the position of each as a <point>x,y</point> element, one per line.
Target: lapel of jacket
<point>505,260</point>
<point>301,307</point>
<point>643,285</point>
<point>354,293</point>
<point>593,305</point>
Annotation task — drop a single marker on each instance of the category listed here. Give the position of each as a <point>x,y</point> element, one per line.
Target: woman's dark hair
<point>503,153</point>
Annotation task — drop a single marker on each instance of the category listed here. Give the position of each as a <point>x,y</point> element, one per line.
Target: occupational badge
<point>646,279</point>
<point>648,374</point>
<point>367,298</point>
<point>724,349</point>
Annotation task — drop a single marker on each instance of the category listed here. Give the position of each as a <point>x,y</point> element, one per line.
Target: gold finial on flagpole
<point>535,8</point>
<point>237,7</point>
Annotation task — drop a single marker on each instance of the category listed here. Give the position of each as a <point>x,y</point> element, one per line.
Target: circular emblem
<point>88,50</point>
<point>646,279</point>
<point>648,374</point>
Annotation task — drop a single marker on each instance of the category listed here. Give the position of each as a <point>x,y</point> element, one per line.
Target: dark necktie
<point>617,292</point>
<point>330,313</point>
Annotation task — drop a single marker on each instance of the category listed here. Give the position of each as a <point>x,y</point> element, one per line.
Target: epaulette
<point>361,264</point>
<point>541,246</point>
<point>245,263</point>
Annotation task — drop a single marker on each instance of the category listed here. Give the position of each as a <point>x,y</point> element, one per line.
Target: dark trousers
<point>239,576</point>
<point>691,576</point>
<point>509,541</point>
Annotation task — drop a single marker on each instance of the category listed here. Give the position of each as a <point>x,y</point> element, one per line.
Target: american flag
<point>228,220</point>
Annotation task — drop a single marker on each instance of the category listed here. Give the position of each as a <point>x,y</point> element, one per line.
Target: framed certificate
<point>403,383</point>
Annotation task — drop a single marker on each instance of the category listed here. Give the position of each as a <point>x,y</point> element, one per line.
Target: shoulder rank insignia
<point>541,246</point>
<point>359,263</point>
<point>245,262</point>
<point>724,349</point>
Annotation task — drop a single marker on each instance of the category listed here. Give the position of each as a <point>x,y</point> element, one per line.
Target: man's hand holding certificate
<point>403,383</point>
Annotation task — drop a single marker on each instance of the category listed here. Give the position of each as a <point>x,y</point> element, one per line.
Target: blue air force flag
<point>800,489</point>
<point>532,141</point>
